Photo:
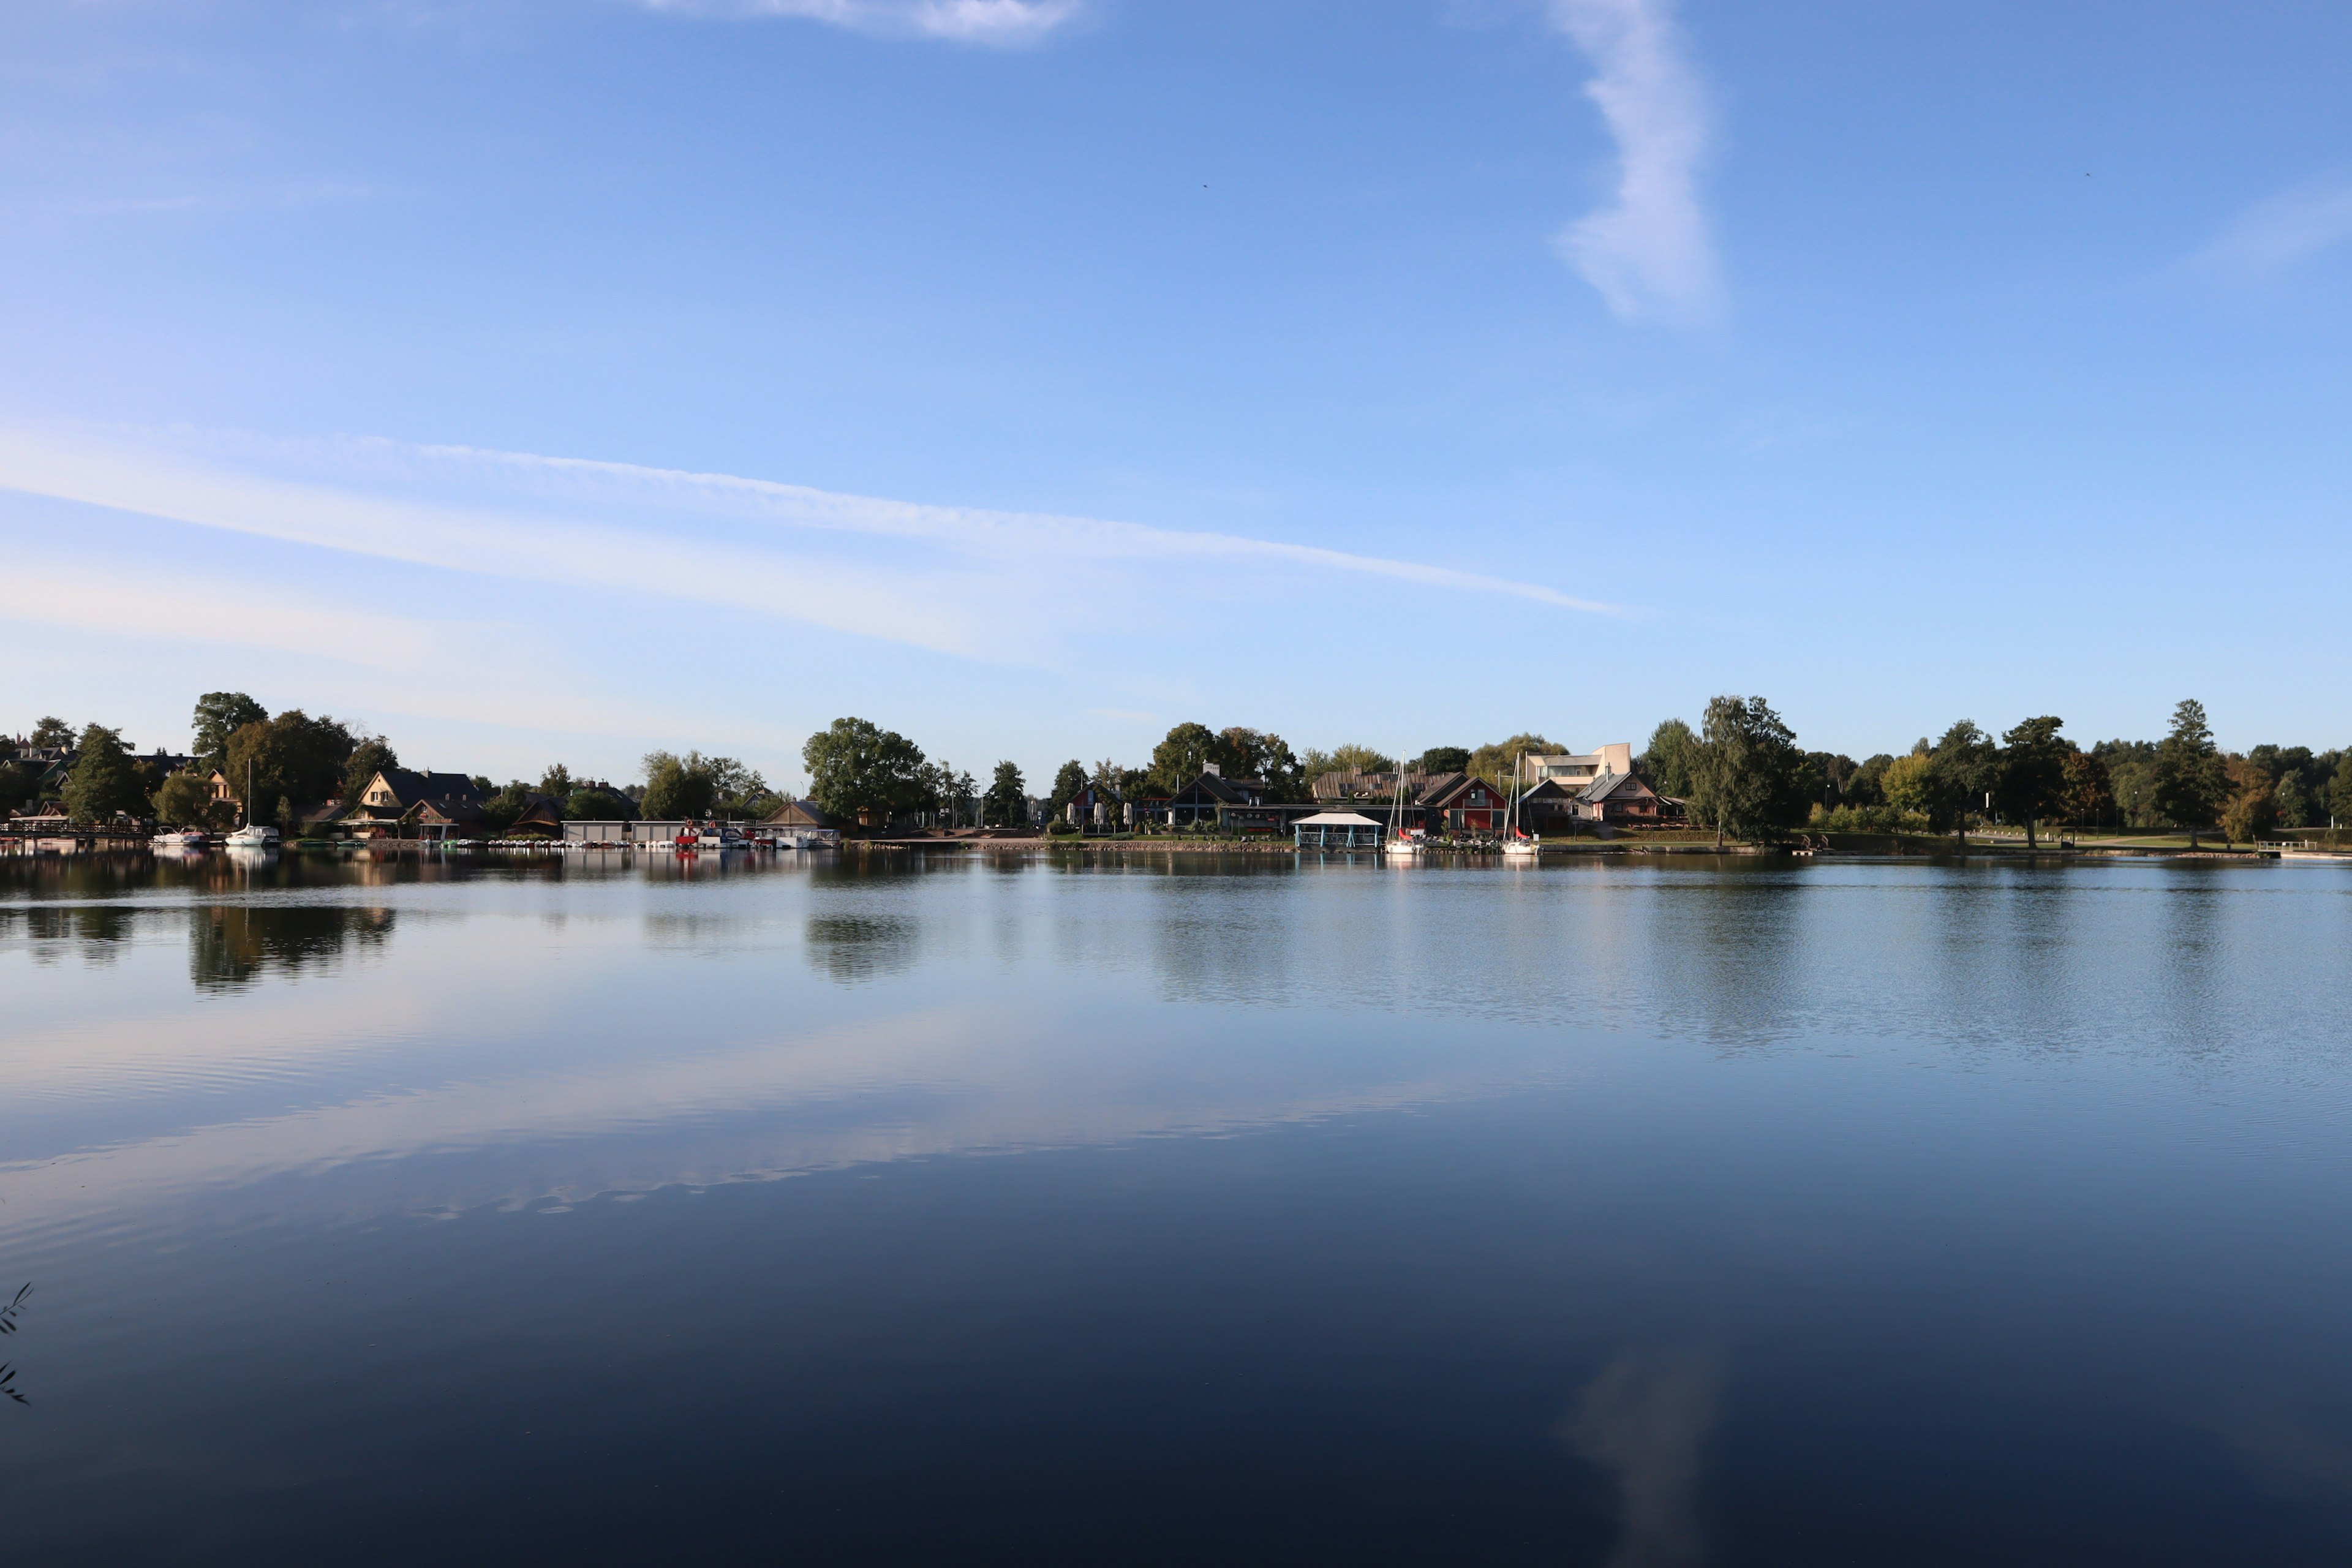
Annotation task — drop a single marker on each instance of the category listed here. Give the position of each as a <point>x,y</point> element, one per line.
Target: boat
<point>251,834</point>
<point>1398,842</point>
<point>1518,844</point>
<point>183,839</point>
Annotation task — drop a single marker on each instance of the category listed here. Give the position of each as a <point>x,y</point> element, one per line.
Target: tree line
<point>1743,773</point>
<point>289,764</point>
<point>1740,772</point>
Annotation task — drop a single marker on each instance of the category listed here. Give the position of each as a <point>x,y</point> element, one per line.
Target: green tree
<point>1439,760</point>
<point>2029,779</point>
<point>219,715</point>
<point>597,805</point>
<point>678,789</point>
<point>557,781</point>
<point>1670,760</point>
<point>1180,758</point>
<point>1967,766</point>
<point>1867,785</point>
<point>372,755</point>
<point>292,756</point>
<point>2339,795</point>
<point>1748,757</point>
<point>185,799</point>
<point>2089,794</point>
<point>2251,809</point>
<point>2191,779</point>
<point>1347,758</point>
<point>1497,762</point>
<point>51,731</point>
<point>860,772</point>
<point>103,784</point>
<point>1007,802</point>
<point>19,783</point>
<point>1247,754</point>
<point>1067,783</point>
<point>1908,783</point>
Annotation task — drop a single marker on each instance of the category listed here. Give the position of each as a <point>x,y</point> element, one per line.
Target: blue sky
<point>532,379</point>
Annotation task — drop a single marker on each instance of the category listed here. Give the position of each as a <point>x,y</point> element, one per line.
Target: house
<point>1459,802</point>
<point>1380,788</point>
<point>1236,804</point>
<point>398,802</point>
<point>1575,772</point>
<point>804,814</point>
<point>1620,799</point>
<point>541,818</point>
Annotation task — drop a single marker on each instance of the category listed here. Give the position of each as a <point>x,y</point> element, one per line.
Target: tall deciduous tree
<point>860,772</point>
<point>1181,757</point>
<point>372,755</point>
<point>1497,762</point>
<point>1746,766</point>
<point>1441,760</point>
<point>103,782</point>
<point>2191,779</point>
<point>1669,761</point>
<point>2251,809</point>
<point>1007,802</point>
<point>1068,783</point>
<point>2089,794</point>
<point>219,715</point>
<point>292,757</point>
<point>2030,780</point>
<point>185,799</point>
<point>1967,767</point>
<point>51,731</point>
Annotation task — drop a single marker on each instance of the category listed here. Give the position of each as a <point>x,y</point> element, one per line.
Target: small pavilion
<point>1336,830</point>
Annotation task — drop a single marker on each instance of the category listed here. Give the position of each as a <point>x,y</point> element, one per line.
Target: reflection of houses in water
<point>233,944</point>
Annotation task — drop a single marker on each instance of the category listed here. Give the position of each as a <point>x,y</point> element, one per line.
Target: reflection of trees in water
<point>8,1315</point>
<point>853,947</point>
<point>231,944</point>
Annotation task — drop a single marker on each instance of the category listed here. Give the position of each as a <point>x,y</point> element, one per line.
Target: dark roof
<point>1225,791</point>
<point>540,811</point>
<point>442,789</point>
<point>800,814</point>
<point>1608,784</point>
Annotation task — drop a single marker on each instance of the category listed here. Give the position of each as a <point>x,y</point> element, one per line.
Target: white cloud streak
<point>1648,251</point>
<point>1000,23</point>
<point>995,585</point>
<point>2282,232</point>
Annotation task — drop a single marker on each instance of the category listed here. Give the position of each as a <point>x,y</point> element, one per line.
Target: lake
<point>1180,1210</point>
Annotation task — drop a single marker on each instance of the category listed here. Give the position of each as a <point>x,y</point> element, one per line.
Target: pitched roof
<point>800,814</point>
<point>1336,819</point>
<point>409,786</point>
<point>1608,784</point>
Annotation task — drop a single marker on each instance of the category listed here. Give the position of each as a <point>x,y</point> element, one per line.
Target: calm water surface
<point>1741,1213</point>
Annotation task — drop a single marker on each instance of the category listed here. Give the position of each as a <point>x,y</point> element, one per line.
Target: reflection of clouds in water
<point>853,948</point>
<point>1647,1418</point>
<point>2291,1456</point>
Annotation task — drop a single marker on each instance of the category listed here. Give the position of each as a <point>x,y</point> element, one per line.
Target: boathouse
<point>1336,830</point>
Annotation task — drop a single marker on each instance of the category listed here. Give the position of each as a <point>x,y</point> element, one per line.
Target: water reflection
<point>233,945</point>
<point>852,949</point>
<point>1646,1419</point>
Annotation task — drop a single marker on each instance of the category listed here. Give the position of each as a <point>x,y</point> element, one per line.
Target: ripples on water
<point>1177,1210</point>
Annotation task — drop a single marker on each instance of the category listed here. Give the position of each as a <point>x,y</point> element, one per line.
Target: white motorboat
<point>253,835</point>
<point>186,840</point>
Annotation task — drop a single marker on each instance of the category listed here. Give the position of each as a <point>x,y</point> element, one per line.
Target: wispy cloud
<point>1002,22</point>
<point>2280,233</point>
<point>1648,251</point>
<point>996,585</point>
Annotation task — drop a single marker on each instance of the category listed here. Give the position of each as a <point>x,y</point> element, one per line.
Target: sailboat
<point>1397,843</point>
<point>1517,843</point>
<point>252,835</point>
